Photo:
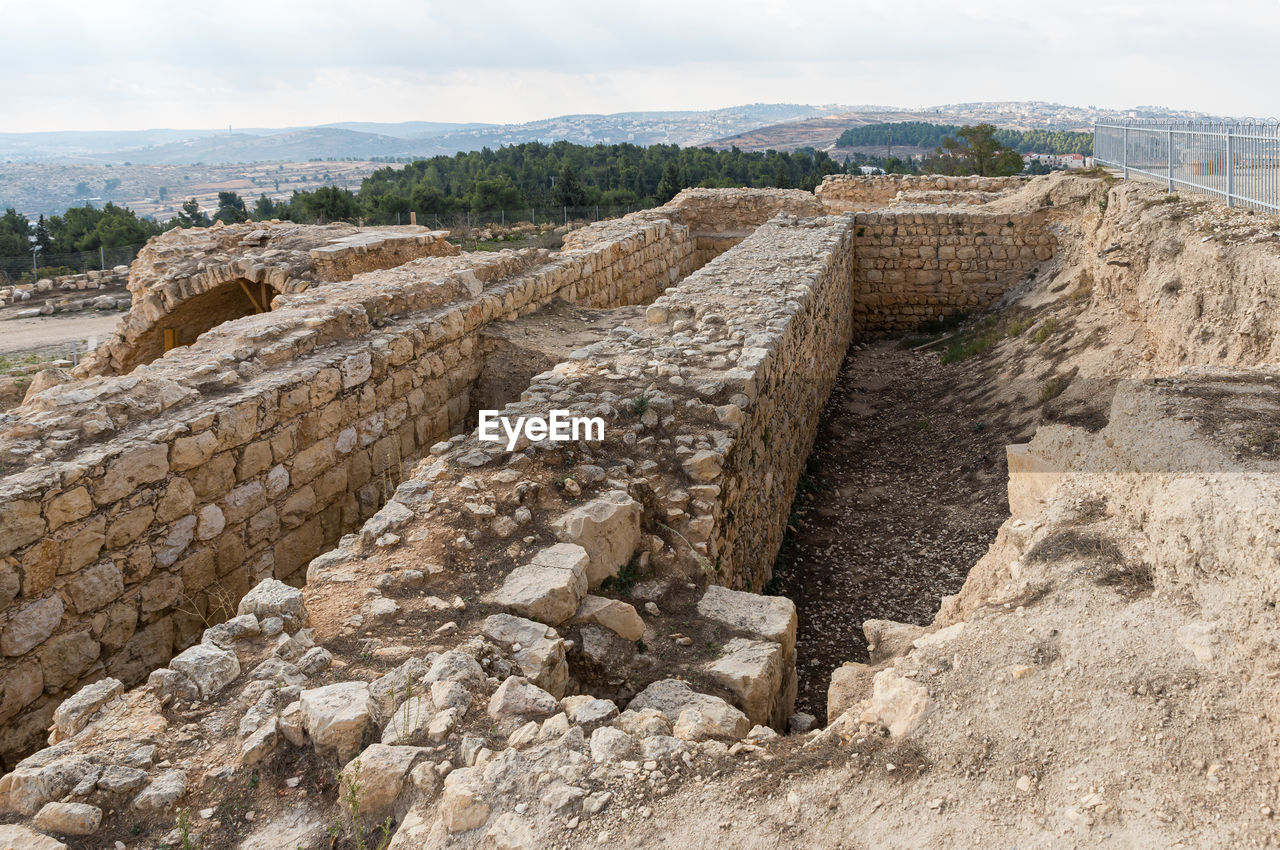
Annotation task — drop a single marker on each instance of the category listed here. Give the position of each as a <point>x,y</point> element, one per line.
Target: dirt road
<point>53,335</point>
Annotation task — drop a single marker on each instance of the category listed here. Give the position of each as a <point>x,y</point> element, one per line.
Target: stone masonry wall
<point>919,264</point>
<point>846,192</point>
<point>222,472</point>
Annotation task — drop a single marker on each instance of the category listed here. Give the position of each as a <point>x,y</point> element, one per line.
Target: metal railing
<point>1235,161</point>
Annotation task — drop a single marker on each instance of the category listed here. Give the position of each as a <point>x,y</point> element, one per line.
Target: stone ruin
<point>271,477</point>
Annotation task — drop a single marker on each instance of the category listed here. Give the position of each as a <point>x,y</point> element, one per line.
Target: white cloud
<point>139,63</point>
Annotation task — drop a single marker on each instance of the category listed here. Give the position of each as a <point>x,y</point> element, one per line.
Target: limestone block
<point>144,465</point>
<point>74,712</point>
<point>381,771</point>
<point>15,837</point>
<point>615,615</point>
<point>850,684</point>
<point>769,617</point>
<point>165,790</point>
<point>707,716</point>
<point>208,666</point>
<point>69,818</point>
<point>31,625</point>
<point>608,528</point>
<point>550,588</point>
<point>336,716</point>
<point>462,803</point>
<point>94,587</point>
<point>897,703</point>
<point>888,639</point>
<point>754,671</point>
<point>20,523</point>
<point>273,598</point>
<point>540,654</point>
<point>517,698</point>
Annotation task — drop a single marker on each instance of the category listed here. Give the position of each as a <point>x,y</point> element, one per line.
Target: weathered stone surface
<point>208,666</point>
<point>72,715</point>
<point>897,703</point>
<point>754,671</point>
<point>31,625</point>
<point>47,775</point>
<point>694,714</point>
<point>537,648</point>
<point>336,717</point>
<point>589,712</point>
<point>15,837</point>
<point>462,803</point>
<point>611,745</point>
<point>616,616</point>
<point>550,588</point>
<point>272,598</point>
<point>850,684</point>
<point>381,771</point>
<point>165,789</point>
<point>515,697</point>
<point>69,818</point>
<point>608,528</point>
<point>888,639</point>
<point>769,617</point>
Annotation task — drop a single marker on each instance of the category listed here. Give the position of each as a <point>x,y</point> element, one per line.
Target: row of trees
<point>529,175</point>
<point>926,135</point>
<point>556,175</point>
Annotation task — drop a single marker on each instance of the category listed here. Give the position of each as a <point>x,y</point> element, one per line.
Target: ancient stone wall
<point>138,508</point>
<point>918,264</point>
<point>188,281</point>
<point>249,454</point>
<point>844,192</point>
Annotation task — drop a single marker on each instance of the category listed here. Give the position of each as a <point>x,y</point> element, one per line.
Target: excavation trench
<point>903,492</point>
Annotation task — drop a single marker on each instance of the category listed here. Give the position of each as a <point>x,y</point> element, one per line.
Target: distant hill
<point>364,140</point>
<point>823,132</point>
<point>293,146</point>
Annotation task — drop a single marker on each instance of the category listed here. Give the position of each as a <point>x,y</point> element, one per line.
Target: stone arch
<point>200,313</point>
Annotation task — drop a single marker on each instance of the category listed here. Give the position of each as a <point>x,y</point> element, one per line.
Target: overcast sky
<point>133,64</point>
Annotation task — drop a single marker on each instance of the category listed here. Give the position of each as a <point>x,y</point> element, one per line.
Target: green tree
<point>15,234</point>
<point>326,204</point>
<point>191,215</point>
<point>569,191</point>
<point>231,209</point>
<point>670,184</point>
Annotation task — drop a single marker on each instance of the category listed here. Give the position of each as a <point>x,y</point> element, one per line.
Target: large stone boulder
<point>695,714</point>
<point>608,528</point>
<point>613,614</point>
<point>209,667</point>
<point>336,717</point>
<point>536,647</point>
<point>74,712</point>
<point>850,684</point>
<point>517,699</point>
<point>754,671</point>
<point>69,818</point>
<point>46,775</point>
<point>272,598</point>
<point>897,703</point>
<point>462,803</point>
<point>15,837</point>
<point>549,588</point>
<point>380,772</point>
<point>768,617</point>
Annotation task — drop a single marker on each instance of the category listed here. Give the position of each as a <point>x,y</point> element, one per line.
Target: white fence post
<point>1231,169</point>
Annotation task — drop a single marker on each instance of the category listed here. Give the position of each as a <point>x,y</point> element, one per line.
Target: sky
<point>137,64</point>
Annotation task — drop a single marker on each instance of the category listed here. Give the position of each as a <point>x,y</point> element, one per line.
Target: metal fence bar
<point>1237,162</point>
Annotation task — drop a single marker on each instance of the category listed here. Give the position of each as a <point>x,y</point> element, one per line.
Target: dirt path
<point>906,490</point>
<point>42,334</point>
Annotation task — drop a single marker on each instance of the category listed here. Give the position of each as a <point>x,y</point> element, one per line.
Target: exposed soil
<point>50,336</point>
<point>906,491</point>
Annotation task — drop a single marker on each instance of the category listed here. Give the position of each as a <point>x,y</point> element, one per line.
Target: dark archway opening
<point>201,313</point>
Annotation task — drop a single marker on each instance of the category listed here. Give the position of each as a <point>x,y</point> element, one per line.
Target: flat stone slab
<point>769,617</point>
<point>550,588</point>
